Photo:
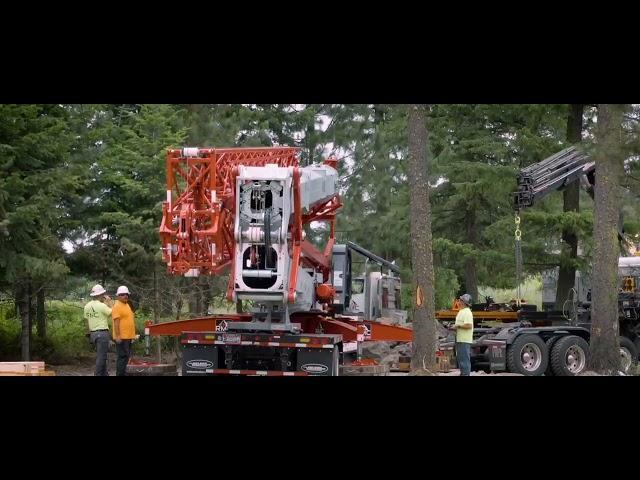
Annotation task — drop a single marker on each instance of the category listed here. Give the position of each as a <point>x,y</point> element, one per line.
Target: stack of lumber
<point>24,369</point>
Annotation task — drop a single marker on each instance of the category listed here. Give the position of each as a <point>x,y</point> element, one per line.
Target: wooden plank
<point>23,363</point>
<point>39,364</point>
<point>44,373</point>
<point>21,366</point>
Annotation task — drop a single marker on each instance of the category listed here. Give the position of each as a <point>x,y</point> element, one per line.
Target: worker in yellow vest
<point>97,312</point>
<point>464,335</point>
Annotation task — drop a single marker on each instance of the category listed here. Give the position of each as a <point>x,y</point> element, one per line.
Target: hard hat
<point>466,298</point>
<point>122,289</point>
<point>97,290</point>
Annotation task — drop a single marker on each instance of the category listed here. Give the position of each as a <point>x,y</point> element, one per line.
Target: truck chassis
<point>560,350</point>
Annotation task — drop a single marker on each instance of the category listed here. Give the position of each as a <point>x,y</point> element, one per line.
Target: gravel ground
<point>456,372</point>
<point>86,367</point>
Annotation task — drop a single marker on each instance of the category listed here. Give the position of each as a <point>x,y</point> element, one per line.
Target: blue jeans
<point>123,350</point>
<point>101,341</point>
<point>463,354</point>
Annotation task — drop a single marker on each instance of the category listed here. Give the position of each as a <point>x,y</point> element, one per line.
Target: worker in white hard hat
<point>124,329</point>
<point>98,312</point>
<point>464,335</point>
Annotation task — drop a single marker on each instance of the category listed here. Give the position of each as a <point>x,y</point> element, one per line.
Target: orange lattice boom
<point>198,217</point>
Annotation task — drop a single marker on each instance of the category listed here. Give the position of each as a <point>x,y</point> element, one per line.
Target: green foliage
<point>531,290</point>
<point>447,287</point>
<point>477,151</point>
<point>94,175</point>
<point>36,178</point>
<point>9,332</point>
<point>65,340</point>
<point>66,327</point>
<point>66,331</point>
<point>124,199</point>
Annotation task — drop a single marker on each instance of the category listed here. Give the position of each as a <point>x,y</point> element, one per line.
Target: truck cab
<point>377,296</point>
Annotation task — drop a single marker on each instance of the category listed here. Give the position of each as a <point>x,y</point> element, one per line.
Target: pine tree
<point>609,158</point>
<point>36,181</point>
<point>424,329</point>
<point>123,201</point>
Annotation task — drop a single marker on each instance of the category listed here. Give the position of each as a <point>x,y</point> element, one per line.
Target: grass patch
<point>65,341</point>
<point>531,291</point>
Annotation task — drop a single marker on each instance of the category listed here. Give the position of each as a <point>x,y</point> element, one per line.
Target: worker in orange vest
<point>124,329</point>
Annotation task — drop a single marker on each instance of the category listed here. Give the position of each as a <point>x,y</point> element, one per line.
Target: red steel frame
<point>351,329</point>
<point>201,195</point>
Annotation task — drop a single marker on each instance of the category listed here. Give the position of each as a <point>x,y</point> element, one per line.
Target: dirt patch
<point>456,372</point>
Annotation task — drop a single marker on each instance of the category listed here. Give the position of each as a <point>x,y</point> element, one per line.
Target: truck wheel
<point>528,355</point>
<point>487,356</point>
<point>628,354</point>
<point>550,343</point>
<point>569,356</point>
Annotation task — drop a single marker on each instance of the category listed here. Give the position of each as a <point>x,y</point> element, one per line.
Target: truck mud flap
<point>319,362</point>
<point>497,350</point>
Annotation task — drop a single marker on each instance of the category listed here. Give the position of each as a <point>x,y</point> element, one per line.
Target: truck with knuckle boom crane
<point>244,211</point>
<point>515,337</point>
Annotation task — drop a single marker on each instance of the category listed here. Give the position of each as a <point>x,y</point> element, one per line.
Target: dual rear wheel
<point>565,356</point>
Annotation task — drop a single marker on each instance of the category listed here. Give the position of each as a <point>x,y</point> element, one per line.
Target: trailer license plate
<point>231,337</point>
